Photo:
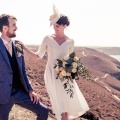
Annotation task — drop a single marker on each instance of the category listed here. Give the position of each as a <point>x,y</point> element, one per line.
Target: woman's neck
<point>60,35</point>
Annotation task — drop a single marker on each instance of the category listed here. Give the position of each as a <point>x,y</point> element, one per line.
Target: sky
<point>93,22</point>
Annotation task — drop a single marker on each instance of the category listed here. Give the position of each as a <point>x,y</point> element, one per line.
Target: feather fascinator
<point>55,16</point>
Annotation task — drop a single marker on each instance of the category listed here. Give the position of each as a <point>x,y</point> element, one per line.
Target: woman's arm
<point>41,50</point>
<point>29,52</point>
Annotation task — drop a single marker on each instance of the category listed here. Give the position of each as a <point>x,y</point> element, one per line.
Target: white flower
<point>74,70</point>
<point>64,63</point>
<point>74,64</point>
<point>66,58</point>
<point>18,47</point>
<point>63,73</point>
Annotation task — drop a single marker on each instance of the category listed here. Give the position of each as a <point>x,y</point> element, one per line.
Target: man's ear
<point>5,28</point>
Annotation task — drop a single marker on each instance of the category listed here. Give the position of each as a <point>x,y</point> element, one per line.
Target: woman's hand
<point>30,53</point>
<point>19,42</point>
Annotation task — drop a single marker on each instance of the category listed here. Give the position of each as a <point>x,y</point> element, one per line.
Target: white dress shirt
<point>5,42</point>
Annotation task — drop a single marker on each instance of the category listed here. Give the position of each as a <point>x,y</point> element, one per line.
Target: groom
<point>14,84</point>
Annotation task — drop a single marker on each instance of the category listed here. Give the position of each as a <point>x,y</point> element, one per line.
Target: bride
<point>58,45</point>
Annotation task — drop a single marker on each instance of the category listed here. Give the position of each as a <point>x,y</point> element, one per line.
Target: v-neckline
<point>57,42</point>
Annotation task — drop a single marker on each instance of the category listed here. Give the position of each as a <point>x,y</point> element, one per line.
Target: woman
<point>57,46</point>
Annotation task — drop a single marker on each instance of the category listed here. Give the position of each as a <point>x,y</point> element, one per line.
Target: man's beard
<point>10,35</point>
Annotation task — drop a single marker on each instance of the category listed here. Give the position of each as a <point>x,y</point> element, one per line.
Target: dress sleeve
<point>71,47</point>
<point>42,48</point>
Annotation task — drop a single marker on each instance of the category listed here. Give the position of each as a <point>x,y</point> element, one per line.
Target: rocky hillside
<point>108,50</point>
<point>102,95</point>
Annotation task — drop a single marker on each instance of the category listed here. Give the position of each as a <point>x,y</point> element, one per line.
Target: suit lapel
<point>3,51</point>
<point>14,49</point>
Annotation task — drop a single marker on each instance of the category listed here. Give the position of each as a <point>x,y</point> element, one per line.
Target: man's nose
<point>16,27</point>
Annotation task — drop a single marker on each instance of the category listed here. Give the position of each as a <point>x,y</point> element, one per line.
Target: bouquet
<point>69,69</point>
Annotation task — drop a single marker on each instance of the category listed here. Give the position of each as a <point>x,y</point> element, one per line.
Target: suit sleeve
<point>22,69</point>
<point>42,48</point>
<point>29,87</point>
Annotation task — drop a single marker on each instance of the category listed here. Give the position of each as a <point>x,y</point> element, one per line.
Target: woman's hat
<point>55,16</point>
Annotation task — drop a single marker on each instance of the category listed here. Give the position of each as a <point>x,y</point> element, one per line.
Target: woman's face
<point>59,28</point>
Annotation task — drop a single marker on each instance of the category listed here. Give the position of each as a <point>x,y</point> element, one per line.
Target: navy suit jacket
<point>6,73</point>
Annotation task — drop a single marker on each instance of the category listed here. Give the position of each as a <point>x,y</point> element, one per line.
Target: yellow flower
<point>60,75</point>
<point>57,69</point>
<point>63,73</point>
<point>62,60</point>
<point>68,74</point>
<point>19,54</point>
<point>76,59</point>
<point>61,68</point>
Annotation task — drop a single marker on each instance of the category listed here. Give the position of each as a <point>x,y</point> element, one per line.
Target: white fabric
<point>5,42</point>
<point>61,101</point>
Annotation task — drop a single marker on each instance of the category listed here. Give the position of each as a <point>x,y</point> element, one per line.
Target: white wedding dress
<point>61,101</point>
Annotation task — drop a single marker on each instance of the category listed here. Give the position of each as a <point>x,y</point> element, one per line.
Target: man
<point>14,84</point>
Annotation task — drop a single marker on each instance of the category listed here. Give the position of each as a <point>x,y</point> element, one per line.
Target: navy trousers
<point>22,99</point>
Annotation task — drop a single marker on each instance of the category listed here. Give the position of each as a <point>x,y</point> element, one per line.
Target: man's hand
<point>33,97</point>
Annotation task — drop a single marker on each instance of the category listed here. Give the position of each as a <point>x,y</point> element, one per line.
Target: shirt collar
<point>5,42</point>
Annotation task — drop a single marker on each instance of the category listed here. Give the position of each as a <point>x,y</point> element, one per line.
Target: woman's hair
<point>4,20</point>
<point>63,20</point>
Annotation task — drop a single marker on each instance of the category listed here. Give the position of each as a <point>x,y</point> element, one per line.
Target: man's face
<point>11,28</point>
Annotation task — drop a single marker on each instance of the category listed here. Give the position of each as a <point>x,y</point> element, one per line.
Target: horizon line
<point>77,46</point>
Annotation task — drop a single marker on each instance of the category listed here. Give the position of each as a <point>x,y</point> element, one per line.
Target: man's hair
<point>4,20</point>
